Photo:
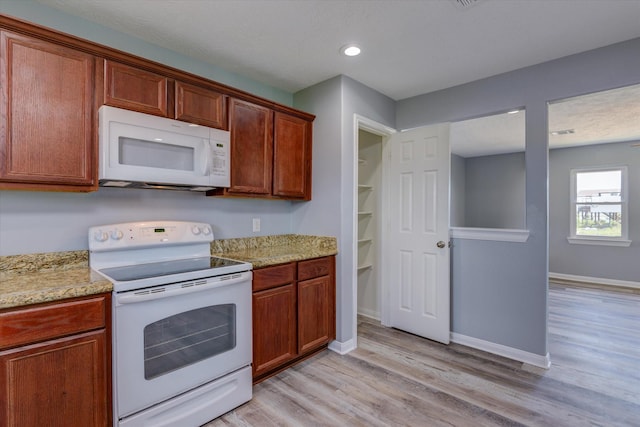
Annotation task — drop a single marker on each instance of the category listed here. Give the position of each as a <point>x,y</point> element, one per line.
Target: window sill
<point>492,234</point>
<point>598,241</point>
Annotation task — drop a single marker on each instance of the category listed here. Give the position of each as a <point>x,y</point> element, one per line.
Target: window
<point>599,206</point>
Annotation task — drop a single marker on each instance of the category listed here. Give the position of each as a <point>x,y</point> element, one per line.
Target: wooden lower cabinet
<point>314,328</point>
<point>274,310</point>
<point>293,313</point>
<point>58,380</point>
<point>56,383</point>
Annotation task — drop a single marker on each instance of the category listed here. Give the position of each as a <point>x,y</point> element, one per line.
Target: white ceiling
<point>410,47</point>
<point>597,118</point>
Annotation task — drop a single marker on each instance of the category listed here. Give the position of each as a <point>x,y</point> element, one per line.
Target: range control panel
<point>131,235</point>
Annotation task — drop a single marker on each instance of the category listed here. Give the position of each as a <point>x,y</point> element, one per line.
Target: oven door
<point>171,339</point>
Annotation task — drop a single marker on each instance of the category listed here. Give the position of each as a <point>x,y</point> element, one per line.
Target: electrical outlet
<point>256,225</point>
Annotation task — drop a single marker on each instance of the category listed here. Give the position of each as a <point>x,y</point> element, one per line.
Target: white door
<point>418,254</point>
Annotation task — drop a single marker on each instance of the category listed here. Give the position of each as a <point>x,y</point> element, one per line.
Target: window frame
<point>623,239</point>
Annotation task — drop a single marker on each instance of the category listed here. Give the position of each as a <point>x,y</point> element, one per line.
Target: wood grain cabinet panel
<point>56,383</point>
<point>265,278</point>
<point>274,328</point>
<point>314,329</point>
<point>292,157</point>
<point>55,364</point>
<point>135,89</point>
<point>202,106</point>
<point>42,322</point>
<point>251,129</point>
<point>316,303</point>
<point>270,153</point>
<point>294,320</point>
<point>46,109</point>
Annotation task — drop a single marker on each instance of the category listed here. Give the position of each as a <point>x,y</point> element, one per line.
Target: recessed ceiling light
<point>350,50</point>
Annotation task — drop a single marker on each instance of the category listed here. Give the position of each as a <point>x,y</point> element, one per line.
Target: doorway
<point>402,201</point>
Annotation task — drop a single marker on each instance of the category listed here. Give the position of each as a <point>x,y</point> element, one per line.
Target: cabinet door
<point>56,383</point>
<point>274,328</point>
<point>314,313</point>
<point>46,109</point>
<point>134,89</point>
<point>251,129</point>
<point>292,157</point>
<point>202,106</point>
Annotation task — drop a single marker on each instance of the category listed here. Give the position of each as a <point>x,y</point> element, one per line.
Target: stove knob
<point>101,236</point>
<point>206,230</point>
<point>195,230</point>
<point>116,234</point>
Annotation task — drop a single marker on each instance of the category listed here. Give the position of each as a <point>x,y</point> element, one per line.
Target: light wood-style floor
<point>397,379</point>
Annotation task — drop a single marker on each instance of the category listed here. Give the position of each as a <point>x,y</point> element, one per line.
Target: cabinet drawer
<point>271,277</point>
<point>39,323</point>
<point>314,268</point>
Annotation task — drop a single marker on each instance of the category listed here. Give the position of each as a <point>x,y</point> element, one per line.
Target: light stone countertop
<point>37,278</point>
<point>265,251</point>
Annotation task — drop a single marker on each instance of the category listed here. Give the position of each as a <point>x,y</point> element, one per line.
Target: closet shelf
<point>365,187</point>
<point>365,213</point>
<point>365,267</point>
<point>365,240</point>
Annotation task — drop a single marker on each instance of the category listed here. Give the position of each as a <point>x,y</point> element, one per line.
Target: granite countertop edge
<point>46,277</point>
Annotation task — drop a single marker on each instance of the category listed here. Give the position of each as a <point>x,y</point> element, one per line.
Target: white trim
<point>593,280</point>
<point>371,314</point>
<point>342,348</point>
<point>501,350</point>
<point>602,241</point>
<point>493,234</point>
<point>623,240</point>
<point>371,126</point>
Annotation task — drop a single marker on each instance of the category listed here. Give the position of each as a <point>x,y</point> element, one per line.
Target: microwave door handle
<point>205,160</point>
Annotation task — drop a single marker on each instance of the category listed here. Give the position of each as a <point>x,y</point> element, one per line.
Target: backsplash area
<point>37,222</point>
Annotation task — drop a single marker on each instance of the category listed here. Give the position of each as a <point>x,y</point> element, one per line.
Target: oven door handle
<point>182,289</point>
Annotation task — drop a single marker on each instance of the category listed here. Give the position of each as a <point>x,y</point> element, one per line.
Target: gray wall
<point>618,263</point>
<point>34,222</point>
<point>499,289</point>
<point>335,102</point>
<point>494,191</point>
<point>457,191</point>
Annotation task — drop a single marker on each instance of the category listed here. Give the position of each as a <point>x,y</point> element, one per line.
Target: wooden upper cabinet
<point>270,153</point>
<point>143,91</point>
<point>47,116</point>
<point>202,106</point>
<point>292,157</point>
<point>135,89</point>
<point>251,129</point>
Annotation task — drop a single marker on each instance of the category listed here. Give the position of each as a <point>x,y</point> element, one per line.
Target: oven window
<point>186,338</point>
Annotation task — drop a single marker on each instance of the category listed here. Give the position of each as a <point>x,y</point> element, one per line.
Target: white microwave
<point>144,151</point>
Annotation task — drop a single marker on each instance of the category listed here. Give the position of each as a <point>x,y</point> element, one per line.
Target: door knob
<point>441,244</point>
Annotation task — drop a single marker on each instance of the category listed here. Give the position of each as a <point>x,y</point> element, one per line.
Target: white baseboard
<point>502,350</point>
<point>571,278</point>
<point>371,314</point>
<point>342,348</point>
